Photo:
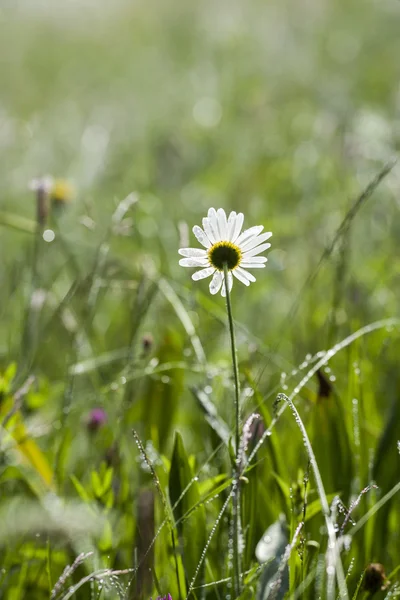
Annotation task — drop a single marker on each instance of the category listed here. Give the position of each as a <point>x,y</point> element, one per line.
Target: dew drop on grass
<point>267,539</point>
<point>330,570</point>
<point>356,423</point>
<point>208,389</point>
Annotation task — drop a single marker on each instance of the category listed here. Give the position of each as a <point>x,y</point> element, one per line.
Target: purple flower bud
<point>97,418</point>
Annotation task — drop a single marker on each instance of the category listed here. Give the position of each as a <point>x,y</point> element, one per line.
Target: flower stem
<point>236,475</point>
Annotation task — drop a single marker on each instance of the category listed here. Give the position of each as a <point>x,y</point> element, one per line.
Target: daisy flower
<point>225,244</point>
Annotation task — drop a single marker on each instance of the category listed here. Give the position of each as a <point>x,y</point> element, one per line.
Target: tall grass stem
<point>236,487</point>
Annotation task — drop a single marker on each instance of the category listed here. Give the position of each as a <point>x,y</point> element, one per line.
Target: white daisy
<point>224,243</point>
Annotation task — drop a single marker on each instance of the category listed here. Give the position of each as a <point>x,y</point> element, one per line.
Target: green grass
<point>287,112</point>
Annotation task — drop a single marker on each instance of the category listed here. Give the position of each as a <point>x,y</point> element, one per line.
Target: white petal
<point>216,282</point>
<point>241,277</point>
<point>201,236</point>
<point>255,241</point>
<point>192,252</point>
<point>257,250</point>
<point>231,225</point>
<point>248,234</point>
<point>246,274</point>
<point>222,224</point>
<point>238,227</point>
<point>203,273</point>
<point>213,220</point>
<point>251,265</point>
<point>208,230</point>
<point>230,284</point>
<point>194,262</point>
<point>254,259</point>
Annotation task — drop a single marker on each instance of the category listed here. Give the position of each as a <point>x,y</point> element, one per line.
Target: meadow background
<point>153,112</point>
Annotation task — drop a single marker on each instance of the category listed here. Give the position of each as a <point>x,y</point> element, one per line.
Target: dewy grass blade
<point>381,324</point>
<point>335,567</point>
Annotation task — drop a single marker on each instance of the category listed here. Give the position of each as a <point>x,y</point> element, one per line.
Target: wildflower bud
<point>375,578</point>
<point>112,456</point>
<point>42,187</point>
<point>147,342</point>
<point>97,418</point>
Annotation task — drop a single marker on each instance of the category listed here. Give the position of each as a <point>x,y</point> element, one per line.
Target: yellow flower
<point>62,191</point>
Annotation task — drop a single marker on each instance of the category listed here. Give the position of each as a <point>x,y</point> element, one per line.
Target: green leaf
<point>184,494</point>
<point>80,489</point>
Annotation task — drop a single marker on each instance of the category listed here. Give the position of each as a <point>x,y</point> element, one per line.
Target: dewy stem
<point>236,475</point>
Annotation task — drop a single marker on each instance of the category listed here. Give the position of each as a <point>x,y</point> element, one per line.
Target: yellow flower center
<point>224,252</point>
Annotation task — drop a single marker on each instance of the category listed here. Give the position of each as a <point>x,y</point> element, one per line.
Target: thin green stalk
<point>236,475</point>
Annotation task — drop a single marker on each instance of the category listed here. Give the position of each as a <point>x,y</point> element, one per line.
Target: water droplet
<point>267,539</point>
<point>49,235</point>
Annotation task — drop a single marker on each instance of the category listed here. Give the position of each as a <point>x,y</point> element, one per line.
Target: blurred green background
<point>285,111</point>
